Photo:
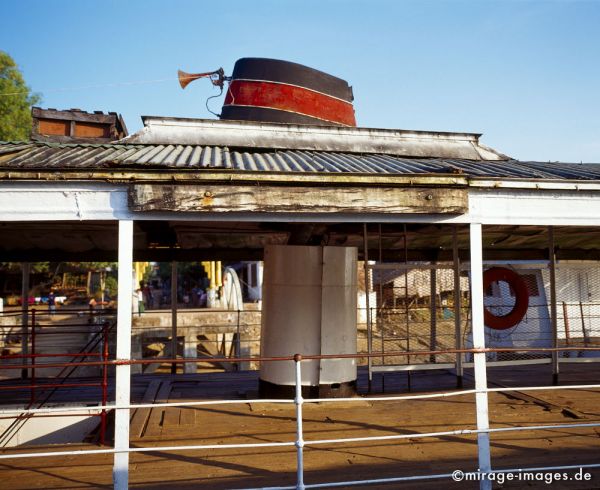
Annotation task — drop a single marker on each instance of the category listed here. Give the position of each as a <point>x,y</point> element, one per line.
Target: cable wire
<point>85,87</point>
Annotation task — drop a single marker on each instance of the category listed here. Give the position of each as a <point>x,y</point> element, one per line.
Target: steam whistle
<point>216,77</point>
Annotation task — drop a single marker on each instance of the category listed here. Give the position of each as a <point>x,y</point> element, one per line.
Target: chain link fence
<point>578,306</point>
<point>413,307</point>
<point>417,307</point>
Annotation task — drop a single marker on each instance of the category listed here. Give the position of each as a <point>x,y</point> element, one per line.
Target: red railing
<point>32,397</point>
<point>154,360</point>
<point>86,352</point>
<point>104,383</point>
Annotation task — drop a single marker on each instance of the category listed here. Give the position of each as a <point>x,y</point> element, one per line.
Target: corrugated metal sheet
<point>269,136</point>
<point>29,156</point>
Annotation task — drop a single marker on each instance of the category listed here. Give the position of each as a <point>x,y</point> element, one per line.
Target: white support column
<point>123,372</point>
<point>481,398</point>
<point>190,349</point>
<point>259,275</point>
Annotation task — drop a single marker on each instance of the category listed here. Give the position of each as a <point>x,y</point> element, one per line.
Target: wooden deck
<point>251,423</point>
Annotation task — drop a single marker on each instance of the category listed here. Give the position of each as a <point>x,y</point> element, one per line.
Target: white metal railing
<point>299,443</point>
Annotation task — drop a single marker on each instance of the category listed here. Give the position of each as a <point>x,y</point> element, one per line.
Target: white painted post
<point>190,349</point>
<point>123,372</point>
<point>259,275</point>
<point>481,397</point>
<point>299,433</point>
<point>238,342</point>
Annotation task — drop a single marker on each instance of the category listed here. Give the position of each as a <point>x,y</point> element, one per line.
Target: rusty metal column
<point>25,269</point>
<point>381,313</point>
<point>432,311</point>
<point>174,315</point>
<point>553,311</point>
<point>457,309</point>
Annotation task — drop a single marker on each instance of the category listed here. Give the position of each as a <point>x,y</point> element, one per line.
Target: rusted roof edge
<point>224,176</point>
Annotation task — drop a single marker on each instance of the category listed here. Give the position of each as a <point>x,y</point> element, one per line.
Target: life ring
<point>516,282</point>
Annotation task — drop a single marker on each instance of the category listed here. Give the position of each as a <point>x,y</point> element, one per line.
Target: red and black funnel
<point>263,89</point>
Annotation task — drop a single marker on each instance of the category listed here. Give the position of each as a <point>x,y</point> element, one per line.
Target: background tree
<point>16,100</point>
<point>15,267</point>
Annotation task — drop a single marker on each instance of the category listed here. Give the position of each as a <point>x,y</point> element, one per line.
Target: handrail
<point>66,354</point>
<point>299,443</point>
<point>310,357</point>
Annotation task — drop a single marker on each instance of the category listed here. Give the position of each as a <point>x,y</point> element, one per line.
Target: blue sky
<point>526,74</point>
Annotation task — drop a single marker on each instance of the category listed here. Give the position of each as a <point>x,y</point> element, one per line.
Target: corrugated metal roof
<point>15,156</point>
<point>268,136</point>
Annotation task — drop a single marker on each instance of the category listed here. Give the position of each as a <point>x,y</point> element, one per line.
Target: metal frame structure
<point>490,202</point>
<point>96,347</point>
<point>455,267</point>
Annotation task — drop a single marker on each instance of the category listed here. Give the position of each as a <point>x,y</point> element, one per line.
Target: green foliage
<point>93,266</point>
<point>16,100</point>
<point>111,286</point>
<point>187,271</point>
<point>147,275</point>
<point>14,267</point>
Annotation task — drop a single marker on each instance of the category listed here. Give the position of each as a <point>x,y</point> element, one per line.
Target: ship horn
<point>185,78</point>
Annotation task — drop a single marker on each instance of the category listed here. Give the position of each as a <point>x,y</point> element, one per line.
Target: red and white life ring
<point>516,282</point>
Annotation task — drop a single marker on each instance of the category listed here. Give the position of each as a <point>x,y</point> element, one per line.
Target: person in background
<point>146,295</point>
<point>140,294</point>
<point>202,298</point>
<point>157,296</point>
<point>194,296</point>
<point>52,302</point>
<point>92,304</point>
<point>135,303</point>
